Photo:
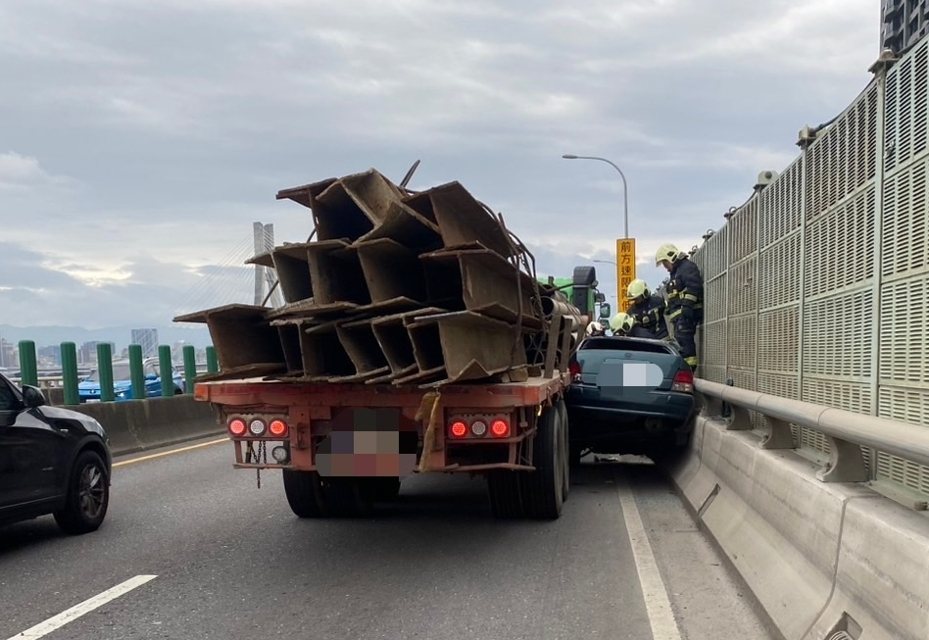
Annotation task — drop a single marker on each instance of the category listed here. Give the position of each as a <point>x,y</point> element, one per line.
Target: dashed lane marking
<point>75,612</point>
<point>657,604</point>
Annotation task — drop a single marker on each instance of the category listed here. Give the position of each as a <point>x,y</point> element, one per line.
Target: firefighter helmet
<point>621,323</point>
<point>638,288</point>
<point>595,329</point>
<point>667,252</point>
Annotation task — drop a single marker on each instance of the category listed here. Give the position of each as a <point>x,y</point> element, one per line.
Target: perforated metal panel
<point>778,339</point>
<point>840,245</point>
<point>715,250</point>
<point>743,233</point>
<point>849,396</point>
<point>779,275</point>
<point>905,232</point>
<point>741,341</point>
<point>714,373</point>
<point>908,405</point>
<point>780,203</point>
<point>742,378</point>
<point>843,158</point>
<point>742,287</point>
<point>837,338</point>
<point>905,108</point>
<point>784,386</point>
<point>714,299</point>
<point>903,333</point>
<point>714,344</point>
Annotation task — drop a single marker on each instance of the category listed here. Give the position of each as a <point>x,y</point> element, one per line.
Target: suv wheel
<point>88,495</point>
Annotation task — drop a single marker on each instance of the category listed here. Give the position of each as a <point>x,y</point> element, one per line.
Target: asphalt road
<point>231,561</point>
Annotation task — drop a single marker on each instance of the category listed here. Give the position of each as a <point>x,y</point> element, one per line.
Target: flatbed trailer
<point>343,447</point>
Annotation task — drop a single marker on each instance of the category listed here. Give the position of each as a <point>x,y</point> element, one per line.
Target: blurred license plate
<point>367,443</point>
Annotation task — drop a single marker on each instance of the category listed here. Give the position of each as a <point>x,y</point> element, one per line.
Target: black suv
<point>52,460</point>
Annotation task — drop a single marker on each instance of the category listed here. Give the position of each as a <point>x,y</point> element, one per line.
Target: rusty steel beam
<point>292,264</point>
<point>358,340</point>
<point>462,220</point>
<point>324,357</point>
<point>305,194</point>
<point>241,335</point>
<point>393,273</point>
<point>354,205</point>
<point>395,342</point>
<point>336,274</point>
<point>406,226</point>
<point>485,283</point>
<point>460,346</point>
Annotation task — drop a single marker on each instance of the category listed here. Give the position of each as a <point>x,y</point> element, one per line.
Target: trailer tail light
<point>458,429</point>
<point>257,427</point>
<point>237,427</point>
<point>277,428</point>
<point>500,429</point>
<point>574,368</point>
<point>479,428</point>
<point>683,381</point>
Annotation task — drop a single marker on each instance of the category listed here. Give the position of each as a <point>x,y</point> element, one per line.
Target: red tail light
<point>500,429</point>
<point>683,381</point>
<point>237,427</point>
<point>277,428</point>
<point>575,369</point>
<point>458,429</point>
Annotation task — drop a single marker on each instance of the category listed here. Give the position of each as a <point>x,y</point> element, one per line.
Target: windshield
<point>120,372</point>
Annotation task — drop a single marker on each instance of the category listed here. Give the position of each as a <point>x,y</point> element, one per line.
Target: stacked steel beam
<point>398,288</point>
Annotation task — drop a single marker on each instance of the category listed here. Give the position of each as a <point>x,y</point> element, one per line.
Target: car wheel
<point>88,495</point>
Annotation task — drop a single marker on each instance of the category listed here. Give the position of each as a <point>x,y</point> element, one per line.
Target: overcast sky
<point>139,140</point>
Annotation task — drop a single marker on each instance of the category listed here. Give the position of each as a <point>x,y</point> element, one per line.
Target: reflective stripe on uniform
<point>690,296</point>
<point>692,361</point>
<point>675,313</point>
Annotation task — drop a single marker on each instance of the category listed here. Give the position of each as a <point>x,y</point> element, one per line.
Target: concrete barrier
<point>137,425</point>
<point>819,557</point>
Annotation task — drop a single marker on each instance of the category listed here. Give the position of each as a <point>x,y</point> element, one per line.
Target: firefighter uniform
<point>685,300</point>
<point>649,318</point>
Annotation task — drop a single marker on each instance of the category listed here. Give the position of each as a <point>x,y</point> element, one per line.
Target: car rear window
<point>626,344</point>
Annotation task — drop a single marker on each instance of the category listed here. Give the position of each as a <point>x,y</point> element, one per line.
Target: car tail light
<point>500,429</point>
<point>257,427</point>
<point>574,367</point>
<point>683,381</point>
<point>458,429</point>
<point>277,428</point>
<point>237,427</point>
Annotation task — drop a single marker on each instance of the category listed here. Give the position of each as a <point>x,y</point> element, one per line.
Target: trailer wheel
<point>347,497</point>
<point>503,488</point>
<point>382,489</point>
<point>565,447</point>
<point>543,488</point>
<point>304,493</point>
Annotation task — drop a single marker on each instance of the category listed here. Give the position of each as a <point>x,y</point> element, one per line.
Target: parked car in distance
<point>52,461</point>
<point>629,395</point>
<point>89,388</point>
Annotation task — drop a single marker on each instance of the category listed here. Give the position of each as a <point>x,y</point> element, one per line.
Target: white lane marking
<point>75,612</point>
<point>657,605</point>
<point>170,453</point>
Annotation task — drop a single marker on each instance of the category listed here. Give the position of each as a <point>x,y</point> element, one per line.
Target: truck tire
<point>566,446</point>
<point>381,489</point>
<point>347,497</point>
<point>503,489</point>
<point>542,489</point>
<point>304,493</point>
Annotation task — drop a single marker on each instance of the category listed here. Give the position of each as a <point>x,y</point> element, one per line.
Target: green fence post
<point>212,362</point>
<point>69,373</point>
<point>105,371</point>
<point>190,367</point>
<point>137,392</point>
<point>28,369</point>
<point>166,371</point>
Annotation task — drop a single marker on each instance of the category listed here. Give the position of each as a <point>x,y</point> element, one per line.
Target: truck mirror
<point>605,311</point>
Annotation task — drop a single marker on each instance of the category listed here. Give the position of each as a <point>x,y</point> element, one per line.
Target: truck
<point>414,339</point>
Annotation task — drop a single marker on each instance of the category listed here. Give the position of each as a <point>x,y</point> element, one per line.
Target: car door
<point>30,452</point>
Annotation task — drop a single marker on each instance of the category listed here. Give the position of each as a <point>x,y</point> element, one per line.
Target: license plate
<point>367,443</point>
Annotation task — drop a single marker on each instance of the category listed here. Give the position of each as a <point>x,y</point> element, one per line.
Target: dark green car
<point>629,395</point>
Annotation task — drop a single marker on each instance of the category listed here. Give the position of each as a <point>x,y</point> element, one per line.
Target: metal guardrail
<point>846,431</point>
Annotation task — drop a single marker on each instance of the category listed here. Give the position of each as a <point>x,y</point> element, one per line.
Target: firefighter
<point>685,298</point>
<point>595,329</point>
<point>622,324</point>
<point>647,310</point>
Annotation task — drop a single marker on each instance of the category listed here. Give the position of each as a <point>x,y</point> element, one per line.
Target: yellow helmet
<point>621,322</point>
<point>667,252</point>
<point>638,288</point>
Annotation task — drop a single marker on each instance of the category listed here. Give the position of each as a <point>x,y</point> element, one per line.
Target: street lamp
<point>569,156</point>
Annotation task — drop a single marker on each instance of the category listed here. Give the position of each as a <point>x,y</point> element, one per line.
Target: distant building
<point>147,339</point>
<point>49,356</point>
<point>87,354</point>
<point>8,359</point>
<point>903,22</point>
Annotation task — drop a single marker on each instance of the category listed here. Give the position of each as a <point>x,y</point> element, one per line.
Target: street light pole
<point>569,156</point>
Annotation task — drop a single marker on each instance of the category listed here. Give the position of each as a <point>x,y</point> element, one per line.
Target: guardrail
<point>846,431</point>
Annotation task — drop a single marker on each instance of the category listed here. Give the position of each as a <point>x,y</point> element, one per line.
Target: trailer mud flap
<point>367,443</point>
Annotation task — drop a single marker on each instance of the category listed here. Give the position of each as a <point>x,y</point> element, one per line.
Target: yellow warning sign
<point>625,269</point>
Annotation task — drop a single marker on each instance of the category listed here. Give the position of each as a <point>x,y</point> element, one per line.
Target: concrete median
<point>819,557</point>
<point>137,425</point>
